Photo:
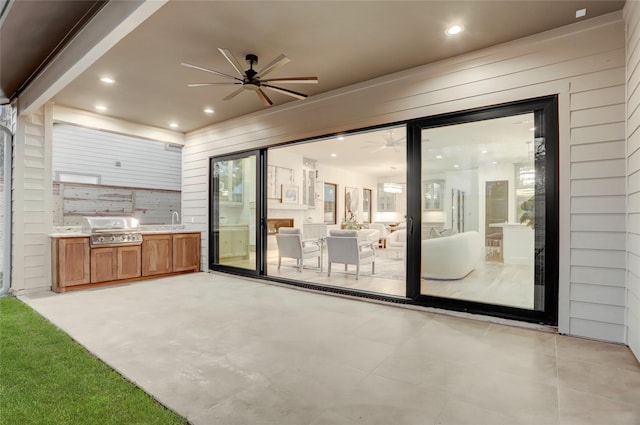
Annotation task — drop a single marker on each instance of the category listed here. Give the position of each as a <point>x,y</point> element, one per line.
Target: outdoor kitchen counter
<point>76,264</point>
<point>80,234</point>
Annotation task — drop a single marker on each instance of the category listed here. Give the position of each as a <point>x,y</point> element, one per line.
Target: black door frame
<point>545,111</point>
<point>546,122</point>
<point>261,212</point>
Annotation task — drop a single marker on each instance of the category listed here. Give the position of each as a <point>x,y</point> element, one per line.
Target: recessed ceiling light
<point>340,137</point>
<point>532,129</point>
<point>580,13</point>
<point>456,166</point>
<point>101,107</point>
<point>484,151</point>
<point>173,125</point>
<point>438,156</point>
<point>494,162</point>
<point>107,80</point>
<point>208,111</point>
<point>455,29</point>
<point>333,155</point>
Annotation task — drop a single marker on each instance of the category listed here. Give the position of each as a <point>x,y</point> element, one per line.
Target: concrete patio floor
<point>220,349</point>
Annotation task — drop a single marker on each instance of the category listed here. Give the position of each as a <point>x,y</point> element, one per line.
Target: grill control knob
<point>112,238</point>
<point>101,239</point>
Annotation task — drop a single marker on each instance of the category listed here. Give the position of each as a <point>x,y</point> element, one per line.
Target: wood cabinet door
<point>157,254</point>
<point>104,264</point>
<point>73,264</point>
<point>186,252</point>
<point>128,262</point>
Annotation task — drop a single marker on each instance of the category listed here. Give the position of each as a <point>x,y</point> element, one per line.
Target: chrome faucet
<point>176,216</point>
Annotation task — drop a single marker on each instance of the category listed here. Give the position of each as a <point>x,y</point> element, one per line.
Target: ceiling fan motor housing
<point>251,73</point>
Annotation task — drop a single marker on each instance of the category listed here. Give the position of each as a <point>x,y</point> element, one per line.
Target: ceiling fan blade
<point>275,64</point>
<point>293,80</point>
<point>285,91</point>
<point>234,94</point>
<point>232,60</point>
<point>263,96</point>
<point>211,84</point>
<point>188,65</point>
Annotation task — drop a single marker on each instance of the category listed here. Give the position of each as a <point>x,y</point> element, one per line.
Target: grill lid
<point>111,224</point>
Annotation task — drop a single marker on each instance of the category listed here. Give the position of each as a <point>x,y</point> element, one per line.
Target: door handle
<point>411,225</point>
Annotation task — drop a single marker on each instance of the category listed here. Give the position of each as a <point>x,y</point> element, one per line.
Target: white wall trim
<point>564,213</point>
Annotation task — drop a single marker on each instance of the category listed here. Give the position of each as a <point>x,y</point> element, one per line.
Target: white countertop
<point>76,231</point>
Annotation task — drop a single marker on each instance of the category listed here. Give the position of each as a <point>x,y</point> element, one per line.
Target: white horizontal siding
<point>632,20</point>
<point>593,187</point>
<point>584,63</point>
<point>31,218</point>
<point>143,163</point>
<point>598,206</point>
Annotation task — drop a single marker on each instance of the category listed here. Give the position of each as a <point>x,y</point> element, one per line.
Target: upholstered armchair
<point>397,241</point>
<point>291,245</point>
<point>344,247</point>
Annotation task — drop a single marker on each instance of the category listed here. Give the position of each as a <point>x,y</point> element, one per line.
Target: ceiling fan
<point>254,80</point>
<point>388,143</point>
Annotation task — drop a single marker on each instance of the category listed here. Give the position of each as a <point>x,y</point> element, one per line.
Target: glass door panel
<point>362,196</point>
<point>233,212</point>
<point>480,194</point>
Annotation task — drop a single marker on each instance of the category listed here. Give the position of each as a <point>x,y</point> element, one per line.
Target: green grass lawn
<point>47,378</point>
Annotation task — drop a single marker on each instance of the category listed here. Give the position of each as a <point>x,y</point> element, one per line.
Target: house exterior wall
<point>143,163</point>
<point>632,20</point>
<point>584,64</point>
<point>31,202</point>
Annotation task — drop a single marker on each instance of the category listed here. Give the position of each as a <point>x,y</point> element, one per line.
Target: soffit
<point>31,32</point>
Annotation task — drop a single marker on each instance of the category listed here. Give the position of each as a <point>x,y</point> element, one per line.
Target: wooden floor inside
<point>491,282</point>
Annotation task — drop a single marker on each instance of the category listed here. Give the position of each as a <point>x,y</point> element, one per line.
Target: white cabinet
<point>234,241</point>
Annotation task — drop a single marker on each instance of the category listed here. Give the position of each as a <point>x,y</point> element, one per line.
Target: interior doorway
<point>496,213</point>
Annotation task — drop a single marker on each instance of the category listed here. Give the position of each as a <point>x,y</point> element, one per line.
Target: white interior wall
<point>632,19</point>
<point>582,63</point>
<point>346,178</point>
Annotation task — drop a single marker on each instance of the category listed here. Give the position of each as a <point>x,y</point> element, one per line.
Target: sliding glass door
<point>487,185</point>
<point>457,211</point>
<point>234,224</point>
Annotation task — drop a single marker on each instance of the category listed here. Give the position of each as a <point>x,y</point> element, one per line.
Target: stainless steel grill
<point>113,231</point>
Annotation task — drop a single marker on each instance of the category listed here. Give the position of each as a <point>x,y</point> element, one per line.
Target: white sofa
<point>451,257</point>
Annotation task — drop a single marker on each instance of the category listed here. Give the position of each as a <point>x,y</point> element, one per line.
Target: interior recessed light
<point>494,162</point>
<point>580,13</point>
<point>340,137</point>
<point>455,29</point>
<point>438,156</point>
<point>333,155</point>
<point>532,129</point>
<point>101,107</point>
<point>456,166</point>
<point>107,80</point>
<point>484,151</point>
<point>208,111</point>
<point>173,125</point>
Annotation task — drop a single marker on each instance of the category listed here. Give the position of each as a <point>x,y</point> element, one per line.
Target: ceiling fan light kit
<point>254,80</point>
